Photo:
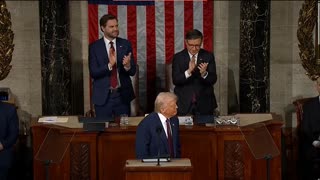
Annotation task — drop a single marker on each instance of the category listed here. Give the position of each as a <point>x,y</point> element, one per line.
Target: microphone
<point>158,130</point>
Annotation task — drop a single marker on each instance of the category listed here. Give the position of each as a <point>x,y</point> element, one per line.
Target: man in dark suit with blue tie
<point>9,130</point>
<point>158,133</point>
<point>194,74</point>
<point>310,138</point>
<point>111,64</point>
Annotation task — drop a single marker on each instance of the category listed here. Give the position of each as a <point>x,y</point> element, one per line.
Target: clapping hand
<point>126,60</point>
<point>203,68</point>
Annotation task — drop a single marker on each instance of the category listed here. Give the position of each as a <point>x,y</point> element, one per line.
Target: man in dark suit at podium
<point>9,130</point>
<point>158,133</point>
<point>194,74</point>
<point>111,64</point>
<point>310,137</point>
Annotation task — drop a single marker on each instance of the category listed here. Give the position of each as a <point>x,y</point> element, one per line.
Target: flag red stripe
<point>93,27</point>
<point>188,16</point>
<point>169,33</point>
<point>132,28</point>
<point>151,56</point>
<point>93,35</point>
<point>208,25</point>
<point>112,9</point>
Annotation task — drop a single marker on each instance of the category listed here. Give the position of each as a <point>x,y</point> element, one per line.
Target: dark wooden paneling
<point>215,153</point>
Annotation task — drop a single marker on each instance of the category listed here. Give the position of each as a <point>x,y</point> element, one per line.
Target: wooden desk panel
<point>215,153</point>
<point>79,162</point>
<point>115,147</point>
<point>177,169</point>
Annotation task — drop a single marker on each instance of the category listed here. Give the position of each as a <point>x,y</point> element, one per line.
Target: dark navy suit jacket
<point>100,73</point>
<point>310,127</point>
<point>9,130</point>
<point>148,141</point>
<point>184,88</point>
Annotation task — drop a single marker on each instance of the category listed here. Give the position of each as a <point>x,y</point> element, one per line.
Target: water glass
<point>124,120</point>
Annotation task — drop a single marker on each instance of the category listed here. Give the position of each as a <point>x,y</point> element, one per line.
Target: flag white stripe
<point>141,52</point>
<point>102,10</point>
<point>197,16</point>
<point>160,41</point>
<point>178,26</point>
<point>122,19</point>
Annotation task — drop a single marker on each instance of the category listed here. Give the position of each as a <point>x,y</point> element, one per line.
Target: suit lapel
<point>104,51</point>
<point>120,52</point>
<point>174,135</point>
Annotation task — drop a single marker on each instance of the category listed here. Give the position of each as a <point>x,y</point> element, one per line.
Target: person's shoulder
<point>311,102</point>
<point>96,42</point>
<point>181,53</point>
<point>6,106</point>
<point>122,40</point>
<point>149,118</point>
<point>204,51</point>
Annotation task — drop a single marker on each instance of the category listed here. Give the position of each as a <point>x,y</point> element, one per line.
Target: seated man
<point>158,133</point>
<point>310,137</point>
<point>9,130</point>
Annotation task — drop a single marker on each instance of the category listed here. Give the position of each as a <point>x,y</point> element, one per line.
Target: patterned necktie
<point>113,78</point>
<point>170,142</point>
<point>193,59</point>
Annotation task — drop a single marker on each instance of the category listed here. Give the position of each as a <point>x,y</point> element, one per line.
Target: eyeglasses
<point>197,46</point>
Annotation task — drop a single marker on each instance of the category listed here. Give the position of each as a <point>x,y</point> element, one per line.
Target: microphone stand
<point>268,157</point>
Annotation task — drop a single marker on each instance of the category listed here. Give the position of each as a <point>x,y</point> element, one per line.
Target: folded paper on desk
<point>53,119</point>
<point>154,160</point>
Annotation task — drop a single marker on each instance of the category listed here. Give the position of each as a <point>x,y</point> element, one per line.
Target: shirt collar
<point>190,55</point>
<point>107,41</point>
<point>162,118</point>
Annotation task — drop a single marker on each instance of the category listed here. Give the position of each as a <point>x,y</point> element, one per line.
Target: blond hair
<point>163,99</point>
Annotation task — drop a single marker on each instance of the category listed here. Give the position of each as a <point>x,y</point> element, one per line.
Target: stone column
<point>55,57</point>
<point>255,56</point>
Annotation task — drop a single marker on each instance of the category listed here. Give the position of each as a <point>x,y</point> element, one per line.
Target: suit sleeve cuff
<point>187,74</point>
<point>206,75</point>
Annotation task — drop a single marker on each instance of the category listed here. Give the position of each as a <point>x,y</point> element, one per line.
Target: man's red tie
<point>170,142</point>
<point>113,79</point>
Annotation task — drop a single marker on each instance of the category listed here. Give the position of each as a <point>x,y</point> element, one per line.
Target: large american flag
<point>156,30</point>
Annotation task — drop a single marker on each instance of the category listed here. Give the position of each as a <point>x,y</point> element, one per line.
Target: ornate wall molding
<point>306,25</point>
<point>6,41</point>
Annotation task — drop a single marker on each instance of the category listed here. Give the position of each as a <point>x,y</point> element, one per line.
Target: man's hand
<point>112,58</point>
<point>1,147</point>
<point>192,65</point>
<point>126,61</point>
<point>203,68</point>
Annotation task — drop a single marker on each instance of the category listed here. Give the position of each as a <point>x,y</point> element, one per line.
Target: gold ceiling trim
<point>6,41</point>
<point>306,26</point>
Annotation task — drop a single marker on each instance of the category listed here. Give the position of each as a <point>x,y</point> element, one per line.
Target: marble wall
<point>287,78</point>
<point>24,79</point>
